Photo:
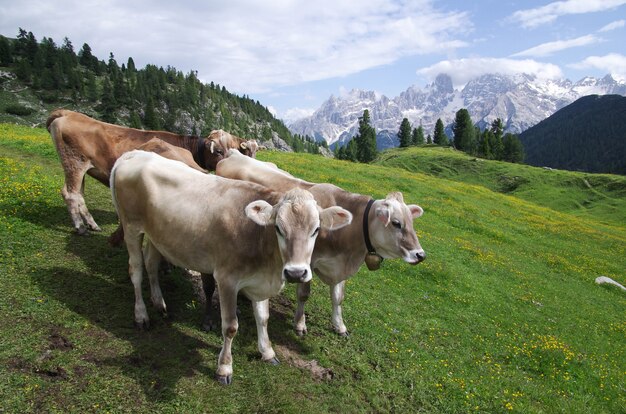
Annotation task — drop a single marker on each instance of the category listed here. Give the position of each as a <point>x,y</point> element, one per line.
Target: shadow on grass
<point>55,217</point>
<point>102,292</point>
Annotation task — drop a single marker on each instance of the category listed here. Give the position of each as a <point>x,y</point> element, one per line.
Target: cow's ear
<point>212,147</point>
<point>333,218</point>
<point>260,212</point>
<point>383,213</point>
<point>416,211</point>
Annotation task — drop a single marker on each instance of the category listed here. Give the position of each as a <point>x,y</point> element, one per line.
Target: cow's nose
<point>295,275</point>
<point>421,256</point>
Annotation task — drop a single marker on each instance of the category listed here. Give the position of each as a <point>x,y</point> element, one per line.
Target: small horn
<point>212,148</point>
<point>243,145</point>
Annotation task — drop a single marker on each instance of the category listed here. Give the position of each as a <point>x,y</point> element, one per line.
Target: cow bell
<point>373,261</point>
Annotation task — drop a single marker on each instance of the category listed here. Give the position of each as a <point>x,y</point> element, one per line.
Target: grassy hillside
<point>600,197</point>
<point>503,316</point>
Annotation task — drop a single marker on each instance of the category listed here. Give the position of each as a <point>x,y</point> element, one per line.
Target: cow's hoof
<point>142,326</point>
<point>301,332</point>
<point>344,334</point>
<point>96,228</point>
<point>273,361</point>
<point>82,231</point>
<point>208,325</point>
<point>224,379</point>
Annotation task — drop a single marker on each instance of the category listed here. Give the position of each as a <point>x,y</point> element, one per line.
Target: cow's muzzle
<point>415,257</point>
<point>297,274</point>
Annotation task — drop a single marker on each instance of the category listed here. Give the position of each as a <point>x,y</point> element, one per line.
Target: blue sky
<point>292,55</point>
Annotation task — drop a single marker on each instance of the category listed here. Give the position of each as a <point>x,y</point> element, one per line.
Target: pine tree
<point>464,132</point>
<point>150,119</point>
<point>6,58</point>
<point>496,145</point>
<point>108,105</point>
<point>418,136</point>
<point>134,121</point>
<point>404,134</point>
<point>513,148</point>
<point>365,141</point>
<point>484,144</point>
<point>429,139</point>
<point>351,151</point>
<point>87,59</point>
<point>440,137</point>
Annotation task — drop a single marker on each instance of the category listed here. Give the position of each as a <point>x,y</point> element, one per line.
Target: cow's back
<point>206,211</point>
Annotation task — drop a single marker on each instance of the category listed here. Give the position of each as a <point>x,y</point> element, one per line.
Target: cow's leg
<point>208,286</point>
<point>135,269</point>
<point>73,196</point>
<point>152,258</point>
<point>262,315</point>
<point>230,324</point>
<point>336,296</point>
<point>303,292</point>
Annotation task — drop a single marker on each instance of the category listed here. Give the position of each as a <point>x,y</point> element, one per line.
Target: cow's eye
<point>396,224</point>
<point>280,233</point>
<point>316,232</point>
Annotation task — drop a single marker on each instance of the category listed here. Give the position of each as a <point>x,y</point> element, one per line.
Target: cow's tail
<point>57,113</point>
<point>112,181</point>
<point>56,133</point>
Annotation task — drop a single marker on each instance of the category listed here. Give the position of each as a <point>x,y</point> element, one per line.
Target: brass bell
<point>373,261</point>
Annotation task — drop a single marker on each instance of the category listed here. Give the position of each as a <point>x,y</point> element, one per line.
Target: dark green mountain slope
<point>38,76</point>
<point>587,135</point>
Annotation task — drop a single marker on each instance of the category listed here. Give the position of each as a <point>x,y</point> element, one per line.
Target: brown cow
<point>197,221</point>
<point>88,146</point>
<point>381,229</point>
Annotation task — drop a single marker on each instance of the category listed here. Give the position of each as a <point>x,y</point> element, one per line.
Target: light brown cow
<point>386,225</point>
<point>89,146</point>
<point>246,147</point>
<point>197,221</point>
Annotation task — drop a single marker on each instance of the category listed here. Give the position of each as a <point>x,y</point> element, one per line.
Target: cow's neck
<point>195,145</point>
<point>349,240</point>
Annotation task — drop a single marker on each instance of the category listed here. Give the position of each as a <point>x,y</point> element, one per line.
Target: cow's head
<point>214,152</point>
<point>297,220</point>
<point>249,148</point>
<point>391,231</point>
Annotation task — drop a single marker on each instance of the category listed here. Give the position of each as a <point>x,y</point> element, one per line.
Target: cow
<point>246,147</point>
<point>381,229</point>
<point>89,146</point>
<point>252,239</point>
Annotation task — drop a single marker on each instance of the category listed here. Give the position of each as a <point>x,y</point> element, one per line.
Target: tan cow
<point>246,147</point>
<point>198,221</point>
<point>89,146</point>
<point>381,229</point>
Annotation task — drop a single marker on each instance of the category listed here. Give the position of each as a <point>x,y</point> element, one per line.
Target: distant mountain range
<point>587,135</point>
<point>521,101</point>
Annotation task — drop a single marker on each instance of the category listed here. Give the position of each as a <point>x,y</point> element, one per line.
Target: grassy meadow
<point>503,316</point>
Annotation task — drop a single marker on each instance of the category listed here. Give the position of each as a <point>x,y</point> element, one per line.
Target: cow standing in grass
<point>252,239</point>
<point>89,146</point>
<point>380,229</point>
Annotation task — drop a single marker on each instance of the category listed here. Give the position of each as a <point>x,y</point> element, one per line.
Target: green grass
<point>503,316</point>
<point>598,196</point>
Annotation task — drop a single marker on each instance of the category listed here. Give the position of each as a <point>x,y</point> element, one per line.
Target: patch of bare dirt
<point>318,372</point>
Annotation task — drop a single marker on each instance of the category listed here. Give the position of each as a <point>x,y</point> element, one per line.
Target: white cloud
<point>531,18</point>
<point>614,63</point>
<point>612,26</point>
<point>549,48</point>
<point>294,114</point>
<point>248,46</point>
<point>463,70</point>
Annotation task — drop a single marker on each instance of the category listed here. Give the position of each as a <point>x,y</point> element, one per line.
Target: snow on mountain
<point>521,101</point>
